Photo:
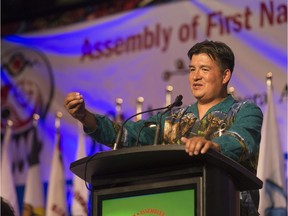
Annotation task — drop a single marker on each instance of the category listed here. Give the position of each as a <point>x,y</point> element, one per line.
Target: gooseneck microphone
<point>177,102</point>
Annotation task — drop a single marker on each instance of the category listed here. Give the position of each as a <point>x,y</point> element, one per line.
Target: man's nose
<point>196,75</point>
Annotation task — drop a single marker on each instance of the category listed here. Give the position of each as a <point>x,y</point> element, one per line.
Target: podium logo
<point>150,211</point>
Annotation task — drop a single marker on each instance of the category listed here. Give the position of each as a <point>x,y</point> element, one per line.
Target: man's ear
<point>226,76</point>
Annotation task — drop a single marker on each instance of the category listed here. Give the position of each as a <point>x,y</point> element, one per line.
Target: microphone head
<point>178,100</point>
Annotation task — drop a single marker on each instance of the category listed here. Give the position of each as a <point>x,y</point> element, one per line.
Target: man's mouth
<point>197,85</point>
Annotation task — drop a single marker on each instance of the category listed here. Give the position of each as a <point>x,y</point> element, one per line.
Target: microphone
<point>177,102</point>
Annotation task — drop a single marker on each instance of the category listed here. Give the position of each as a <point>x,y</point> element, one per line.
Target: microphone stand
<point>178,102</point>
<point>158,127</point>
<point>120,133</point>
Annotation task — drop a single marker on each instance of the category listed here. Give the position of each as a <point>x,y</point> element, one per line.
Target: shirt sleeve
<point>105,132</point>
<point>241,141</point>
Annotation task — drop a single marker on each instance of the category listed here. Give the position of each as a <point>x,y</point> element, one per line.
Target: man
<point>215,121</point>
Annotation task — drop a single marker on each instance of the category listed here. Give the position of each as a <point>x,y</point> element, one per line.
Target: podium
<point>164,180</point>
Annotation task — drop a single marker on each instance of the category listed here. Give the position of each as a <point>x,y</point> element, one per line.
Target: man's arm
<point>75,105</point>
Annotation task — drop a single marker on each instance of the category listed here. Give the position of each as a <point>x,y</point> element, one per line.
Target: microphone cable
<point>146,124</point>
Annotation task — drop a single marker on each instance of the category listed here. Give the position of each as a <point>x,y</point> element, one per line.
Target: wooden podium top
<point>139,158</point>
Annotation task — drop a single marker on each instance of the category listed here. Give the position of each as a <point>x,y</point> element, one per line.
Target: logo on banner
<point>27,87</point>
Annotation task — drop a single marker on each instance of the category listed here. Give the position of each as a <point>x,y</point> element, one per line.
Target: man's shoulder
<point>249,106</point>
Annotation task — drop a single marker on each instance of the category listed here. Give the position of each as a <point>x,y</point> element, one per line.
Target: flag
<point>56,197</point>
<point>8,189</point>
<point>271,163</point>
<point>80,192</point>
<point>34,194</point>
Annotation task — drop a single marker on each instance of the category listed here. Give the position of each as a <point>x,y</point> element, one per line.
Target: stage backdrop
<point>134,54</point>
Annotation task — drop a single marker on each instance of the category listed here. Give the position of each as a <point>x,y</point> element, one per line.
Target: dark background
<point>19,10</point>
<point>19,16</point>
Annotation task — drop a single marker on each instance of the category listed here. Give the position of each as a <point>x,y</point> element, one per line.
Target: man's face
<point>207,82</point>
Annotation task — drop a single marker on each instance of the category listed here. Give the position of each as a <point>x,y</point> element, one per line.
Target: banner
<point>137,54</point>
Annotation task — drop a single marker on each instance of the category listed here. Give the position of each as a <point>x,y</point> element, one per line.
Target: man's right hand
<point>75,105</point>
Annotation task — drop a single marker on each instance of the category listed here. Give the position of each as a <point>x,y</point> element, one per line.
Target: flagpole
<point>273,195</point>
<point>231,91</point>
<point>56,198</point>
<point>36,118</point>
<point>34,193</point>
<point>139,107</point>
<point>80,192</point>
<point>168,96</point>
<point>269,79</point>
<point>118,108</point>
<point>8,190</point>
<point>58,121</point>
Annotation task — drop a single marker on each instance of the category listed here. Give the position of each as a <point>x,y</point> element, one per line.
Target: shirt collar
<point>223,106</point>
